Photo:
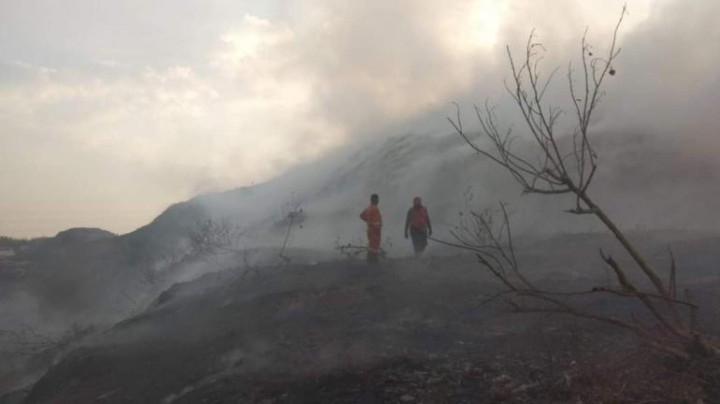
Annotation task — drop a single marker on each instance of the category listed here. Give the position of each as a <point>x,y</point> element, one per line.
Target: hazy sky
<point>110,111</point>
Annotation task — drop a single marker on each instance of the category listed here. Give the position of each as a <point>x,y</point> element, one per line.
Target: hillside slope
<point>411,330</point>
<point>643,181</point>
<point>92,278</point>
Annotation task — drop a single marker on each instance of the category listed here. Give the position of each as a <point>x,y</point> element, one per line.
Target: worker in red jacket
<point>371,216</point>
<point>418,224</point>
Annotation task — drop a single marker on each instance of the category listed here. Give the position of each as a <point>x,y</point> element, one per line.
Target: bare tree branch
<point>559,167</point>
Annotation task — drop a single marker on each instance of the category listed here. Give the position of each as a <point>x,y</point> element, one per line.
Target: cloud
<point>667,74</point>
<point>216,94</point>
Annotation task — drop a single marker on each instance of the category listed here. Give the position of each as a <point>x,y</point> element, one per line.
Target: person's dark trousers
<point>372,257</point>
<point>419,239</point>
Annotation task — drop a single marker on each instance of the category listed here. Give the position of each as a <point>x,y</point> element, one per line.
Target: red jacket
<point>418,218</point>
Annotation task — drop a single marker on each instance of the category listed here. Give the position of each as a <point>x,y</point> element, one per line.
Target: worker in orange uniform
<point>371,216</point>
<point>418,223</point>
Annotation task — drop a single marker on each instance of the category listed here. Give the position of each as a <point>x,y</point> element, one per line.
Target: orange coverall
<point>371,216</point>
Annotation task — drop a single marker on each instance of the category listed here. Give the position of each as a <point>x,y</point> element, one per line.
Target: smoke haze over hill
<point>110,114</point>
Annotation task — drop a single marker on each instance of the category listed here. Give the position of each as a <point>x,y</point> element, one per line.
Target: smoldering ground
<point>234,338</point>
<point>654,134</point>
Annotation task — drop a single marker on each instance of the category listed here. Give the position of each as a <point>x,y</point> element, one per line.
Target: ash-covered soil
<point>409,330</point>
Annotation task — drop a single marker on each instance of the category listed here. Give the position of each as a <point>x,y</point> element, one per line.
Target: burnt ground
<point>343,332</point>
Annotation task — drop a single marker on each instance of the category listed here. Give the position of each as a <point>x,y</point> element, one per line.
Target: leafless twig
<point>561,167</point>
